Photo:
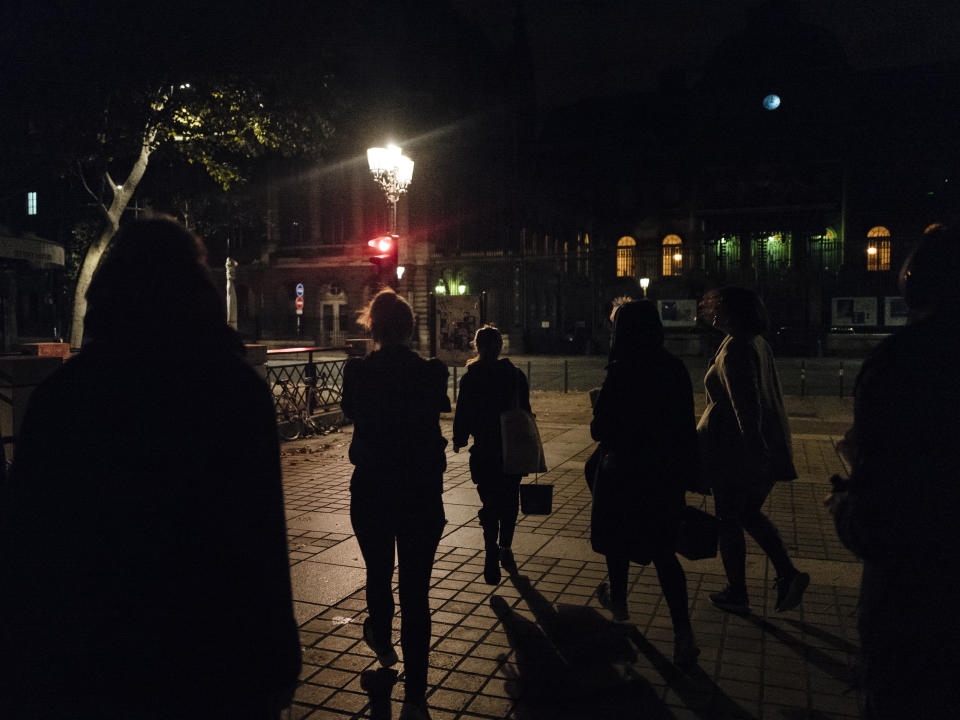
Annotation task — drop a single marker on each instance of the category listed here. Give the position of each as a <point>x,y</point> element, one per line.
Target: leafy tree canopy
<point>100,90</point>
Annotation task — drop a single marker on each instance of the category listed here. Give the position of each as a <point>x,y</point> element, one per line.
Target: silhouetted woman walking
<point>745,441</point>
<point>644,421</point>
<point>491,386</point>
<point>395,398</point>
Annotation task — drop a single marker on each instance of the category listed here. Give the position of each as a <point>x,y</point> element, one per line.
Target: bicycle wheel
<point>328,397</point>
<point>289,424</point>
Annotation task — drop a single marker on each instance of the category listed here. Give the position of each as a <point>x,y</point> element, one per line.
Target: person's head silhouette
<point>928,279</point>
<point>153,289</point>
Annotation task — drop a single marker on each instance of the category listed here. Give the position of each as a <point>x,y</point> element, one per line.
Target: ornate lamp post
<point>644,283</point>
<point>393,171</point>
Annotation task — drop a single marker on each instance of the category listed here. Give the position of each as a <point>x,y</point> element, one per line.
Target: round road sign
<point>299,290</point>
<point>300,303</point>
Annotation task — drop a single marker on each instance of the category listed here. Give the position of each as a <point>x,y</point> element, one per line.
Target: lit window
<point>826,250</point>
<point>931,228</point>
<point>31,203</point>
<point>626,257</point>
<point>727,250</point>
<point>672,255</point>
<point>878,248</point>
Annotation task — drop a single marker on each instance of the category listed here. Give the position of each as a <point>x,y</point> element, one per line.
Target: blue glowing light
<point>771,102</point>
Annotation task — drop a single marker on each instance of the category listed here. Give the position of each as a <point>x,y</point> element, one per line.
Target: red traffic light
<point>383,244</point>
<point>386,247</point>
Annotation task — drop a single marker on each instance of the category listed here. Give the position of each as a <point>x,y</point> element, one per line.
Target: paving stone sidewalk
<point>539,645</point>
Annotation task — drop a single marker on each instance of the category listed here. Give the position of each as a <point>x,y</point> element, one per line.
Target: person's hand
<point>832,501</point>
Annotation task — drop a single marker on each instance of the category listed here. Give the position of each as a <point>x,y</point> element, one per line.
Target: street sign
<point>299,292</point>
<point>300,303</point>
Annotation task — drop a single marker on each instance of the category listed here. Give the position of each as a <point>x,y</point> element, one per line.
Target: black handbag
<point>699,532</point>
<point>536,498</point>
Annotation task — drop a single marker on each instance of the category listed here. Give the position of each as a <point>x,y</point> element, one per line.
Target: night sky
<point>585,48</point>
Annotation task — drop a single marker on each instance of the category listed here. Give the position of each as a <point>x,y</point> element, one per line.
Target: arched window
<point>932,227</point>
<point>626,257</point>
<point>878,248</point>
<point>672,255</point>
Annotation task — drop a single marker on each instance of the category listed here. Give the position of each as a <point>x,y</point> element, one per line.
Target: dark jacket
<point>744,430</point>
<point>644,418</point>
<point>487,389</point>
<point>900,515</point>
<point>143,548</point>
<point>395,398</point>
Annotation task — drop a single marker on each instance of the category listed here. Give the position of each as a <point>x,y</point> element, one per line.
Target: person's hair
<point>747,313</point>
<point>636,329</point>
<point>153,287</point>
<point>616,303</point>
<point>928,279</point>
<point>488,342</point>
<point>388,317</point>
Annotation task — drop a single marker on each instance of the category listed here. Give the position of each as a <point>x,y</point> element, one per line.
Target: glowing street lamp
<point>644,284</point>
<point>393,171</point>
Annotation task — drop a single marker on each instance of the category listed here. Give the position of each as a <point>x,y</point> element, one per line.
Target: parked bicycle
<point>297,405</point>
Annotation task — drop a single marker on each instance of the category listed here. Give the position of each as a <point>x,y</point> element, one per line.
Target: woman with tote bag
<point>491,386</point>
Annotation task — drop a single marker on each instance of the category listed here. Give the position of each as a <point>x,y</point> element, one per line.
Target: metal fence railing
<point>826,377</point>
<point>310,387</point>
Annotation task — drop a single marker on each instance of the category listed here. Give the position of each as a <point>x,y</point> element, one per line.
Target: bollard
<point>454,383</point>
<point>566,376</point>
<point>529,381</point>
<point>841,378</point>
<point>803,378</point>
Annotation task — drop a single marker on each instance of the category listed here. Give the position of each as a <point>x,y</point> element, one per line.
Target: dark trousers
<point>738,506</point>
<point>382,523</point>
<point>673,583</point>
<point>500,496</point>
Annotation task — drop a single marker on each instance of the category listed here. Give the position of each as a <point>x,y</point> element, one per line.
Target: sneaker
<point>685,651</point>
<point>620,613</point>
<point>731,601</point>
<point>506,559</point>
<point>790,590</point>
<point>491,567</point>
<point>414,711</point>
<point>386,655</point>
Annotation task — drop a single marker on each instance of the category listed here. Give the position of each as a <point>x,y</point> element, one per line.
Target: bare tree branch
<point>86,187</point>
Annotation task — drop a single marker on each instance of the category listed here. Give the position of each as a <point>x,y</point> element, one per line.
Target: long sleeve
<point>465,418</point>
<point>741,378</point>
<point>523,391</point>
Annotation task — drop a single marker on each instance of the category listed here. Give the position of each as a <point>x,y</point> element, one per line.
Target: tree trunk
<point>121,198</point>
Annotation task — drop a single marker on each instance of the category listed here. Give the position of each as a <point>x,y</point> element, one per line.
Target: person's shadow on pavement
<point>571,663</point>
<point>699,693</point>
<point>378,684</point>
<point>837,669</point>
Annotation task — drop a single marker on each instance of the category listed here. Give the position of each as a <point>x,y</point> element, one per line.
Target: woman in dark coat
<point>395,398</point>
<point>745,441</point>
<point>143,548</point>
<point>644,421</point>
<point>491,386</point>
